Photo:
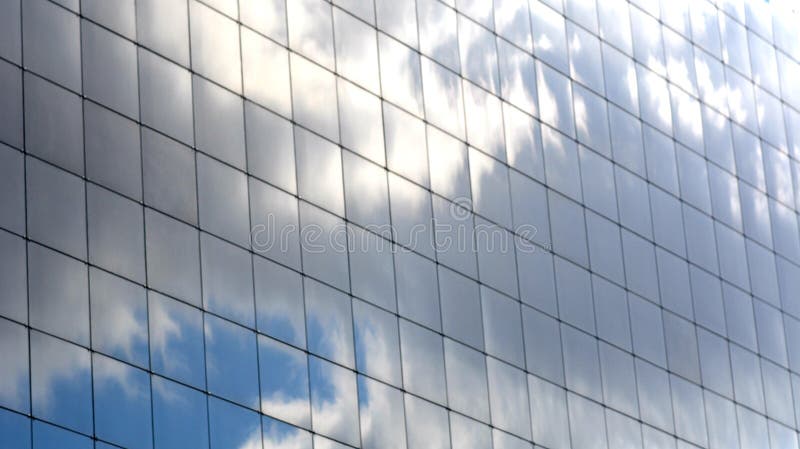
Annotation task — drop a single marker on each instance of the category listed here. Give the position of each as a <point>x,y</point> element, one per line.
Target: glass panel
<point>232,426</point>
<point>667,221</point>
<point>334,401</point>
<point>176,340</point>
<point>549,36</point>
<point>508,398</point>
<point>54,124</point>
<point>58,294</point>
<point>427,425</point>
<point>12,186</point>
<point>437,33</point>
<point>13,278</point>
<point>169,176</point>
<point>366,194</point>
<point>581,363</point>
<point>319,167</point>
<point>314,96</point>
<point>591,120</point>
<point>543,346</point>
<point>270,147</point>
<point>51,42</point>
<point>575,305</point>
<point>113,155</point>
<point>620,75</point>
<point>561,162</point>
<point>777,389</point>
<point>265,67</point>
<point>11,127</point>
<point>423,362</point>
<point>721,416</point>
<point>382,415</point>
<point>173,257</point>
<point>549,409</point>
<point>219,122</point>
<point>647,330</point>
<point>61,383</point>
<point>406,150</point>
<point>116,233</point>
<point>599,190</point>
<point>586,422</point>
<point>122,400</point>
<point>700,241</point>
<point>478,54</point>
<point>163,25</point>
<point>278,435</point>
<point>452,226</point>
<point>747,386</point>
<point>222,193</point>
<point>267,17</point>
<point>109,70</point>
<point>605,247</point>
<point>467,389</point>
<point>16,430</point>
<point>502,327</point>
<point>160,80</point>
<point>180,416</point>
<point>324,246</point>
<point>619,379</point>
<point>284,382</point>
<point>360,122</point>
<point>496,258</point>
<point>461,308</point>
<point>215,47</point>
<point>448,166</point>
<point>377,343</point>
<point>484,117</point>
<point>614,24</point>
<point>56,208</point>
<point>633,202</point>
<point>568,228</point>
<point>399,19</point>
<point>654,395</point>
<point>231,361</point>
<point>46,436</point>
<point>417,289</point>
<point>555,100</point>
<point>119,318</point>
<point>372,268</point>
<point>274,224</point>
<point>400,70</point>
<point>469,434</point>
<point>279,302</point>
<point>227,280</point>
<point>611,313</point>
<point>517,77</point>
<point>444,104</point>
<point>681,341</point>
<point>529,209</point>
<point>690,420</point>
<point>330,323</point>
<point>311,30</point>
<point>673,278</point>
<point>523,142</point>
<point>15,370</point>
<point>356,51</point>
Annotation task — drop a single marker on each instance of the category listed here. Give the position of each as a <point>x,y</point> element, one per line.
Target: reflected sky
<point>382,415</point>
<point>14,375</point>
<point>284,382</point>
<point>330,323</point>
<point>279,435</point>
<point>122,402</point>
<point>176,340</point>
<point>233,427</point>
<point>180,416</point>
<point>334,402</point>
<point>231,361</point>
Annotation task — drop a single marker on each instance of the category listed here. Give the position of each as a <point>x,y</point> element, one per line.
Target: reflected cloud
<point>14,374</point>
<point>334,402</point>
<point>382,415</point>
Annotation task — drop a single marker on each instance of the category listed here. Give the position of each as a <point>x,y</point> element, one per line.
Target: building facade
<point>399,224</point>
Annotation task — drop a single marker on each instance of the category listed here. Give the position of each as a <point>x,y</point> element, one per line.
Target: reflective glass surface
<point>399,224</point>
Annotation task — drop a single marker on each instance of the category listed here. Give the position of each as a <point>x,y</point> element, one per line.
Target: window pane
<point>319,171</point>
<point>163,25</point>
<point>51,42</point>
<point>58,296</point>
<point>113,150</point>
<point>15,369</point>
<point>314,94</point>
<point>227,280</point>
<point>215,46</point>
<point>161,80</point>
<point>46,436</point>
<point>119,318</point>
<point>502,327</point>
<point>382,415</point>
<point>543,346</point>
<point>173,257</point>
<point>231,361</point>
<point>467,389</point>
<point>176,340</point>
<point>278,435</point>
<point>222,193</point>
<point>330,323</point>
<point>361,123</point>
<point>122,403</point>
<point>219,122</point>
<point>508,398</point>
<point>334,401</point>
<point>109,70</point>
<point>444,104</point>
<point>116,233</point>
<point>461,308</point>
<point>372,268</point>
<point>279,302</point>
<point>270,147</point>
<point>284,382</point>
<point>61,383</point>
<point>232,426</point>
<point>427,425</point>
<point>180,416</point>
<point>265,67</point>
<point>324,246</point>
<point>423,362</point>
<point>377,342</point>
<point>417,290</point>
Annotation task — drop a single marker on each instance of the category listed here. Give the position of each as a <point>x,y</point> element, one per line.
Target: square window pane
<point>51,42</point>
<point>334,401</point>
<point>215,46</point>
<point>461,308</point>
<point>222,194</point>
<point>270,147</point>
<point>423,362</point>
<point>478,52</point>
<point>232,426</point>
<point>15,369</point>
<point>279,302</point>
<point>330,323</point>
<point>508,398</point>
<point>427,424</point>
<point>581,363</point>
<point>219,122</point>
<point>274,224</point>
<point>169,176</point>
<point>377,341</point>
<point>360,122</point>
<point>116,233</point>
<point>278,434</point>
<point>356,50</point>
<point>417,289</point>
<point>619,379</point>
<point>11,116</point>
<point>575,304</point>
<point>412,215</point>
<point>119,318</point>
<point>227,280</point>
<point>444,103</point>
<point>163,25</point>
<point>324,246</point>
<point>372,268</point>
<point>13,277</point>
<point>502,327</point>
<point>399,19</point>
<point>382,415</point>
<point>319,171</point>
<point>113,150</point>
<point>265,66</point>
<point>366,194</point>
<point>400,71</point>
<point>517,77</point>
<point>314,97</point>
<point>122,401</point>
<point>467,385</point>
<point>180,416</point>
<point>437,33</point>
<point>109,70</point>
<point>173,257</point>
<point>165,92</point>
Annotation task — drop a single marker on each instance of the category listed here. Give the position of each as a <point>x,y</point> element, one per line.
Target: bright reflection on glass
<point>423,362</point>
<point>176,340</point>
<point>311,30</point>
<point>508,398</point>
<point>61,384</point>
<point>400,69</point>
<point>279,302</point>
<point>119,318</point>
<point>377,343</point>
<point>278,435</point>
<point>382,415</point>
<point>284,382</point>
<point>334,402</point>
<point>444,104</point>
<point>427,424</point>
<point>467,387</point>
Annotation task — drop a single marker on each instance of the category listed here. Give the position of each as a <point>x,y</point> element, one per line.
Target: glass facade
<point>399,224</point>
